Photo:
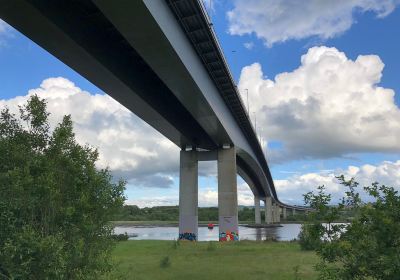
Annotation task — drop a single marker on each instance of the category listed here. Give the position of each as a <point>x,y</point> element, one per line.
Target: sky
<point>322,79</point>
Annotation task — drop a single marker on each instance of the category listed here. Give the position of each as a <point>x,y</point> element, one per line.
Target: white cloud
<point>281,20</point>
<point>292,188</point>
<point>328,107</point>
<point>131,148</point>
<point>208,197</point>
<point>249,45</point>
<point>154,201</point>
<point>210,6</point>
<point>245,195</point>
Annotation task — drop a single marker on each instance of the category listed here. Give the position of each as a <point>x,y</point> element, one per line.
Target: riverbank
<point>150,259</point>
<point>284,232</point>
<point>156,223</point>
<point>176,223</point>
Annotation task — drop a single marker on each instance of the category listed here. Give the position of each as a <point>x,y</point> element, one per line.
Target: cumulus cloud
<point>249,45</point>
<point>167,200</point>
<point>330,106</point>
<point>281,20</point>
<point>292,188</point>
<point>134,150</point>
<point>208,197</point>
<point>210,6</point>
<point>128,146</point>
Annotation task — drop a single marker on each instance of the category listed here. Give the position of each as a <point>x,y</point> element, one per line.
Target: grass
<point>149,259</point>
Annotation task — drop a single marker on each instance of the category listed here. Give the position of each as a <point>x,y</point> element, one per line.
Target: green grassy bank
<point>148,259</point>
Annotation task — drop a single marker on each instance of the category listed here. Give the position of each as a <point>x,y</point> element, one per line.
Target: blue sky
<point>368,35</point>
<point>330,38</point>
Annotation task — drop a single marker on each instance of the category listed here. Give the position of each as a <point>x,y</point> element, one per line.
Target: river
<point>286,232</point>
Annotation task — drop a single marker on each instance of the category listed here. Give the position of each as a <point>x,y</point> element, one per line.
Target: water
<point>285,233</point>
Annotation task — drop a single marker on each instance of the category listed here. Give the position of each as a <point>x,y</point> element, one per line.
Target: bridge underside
<point>163,64</point>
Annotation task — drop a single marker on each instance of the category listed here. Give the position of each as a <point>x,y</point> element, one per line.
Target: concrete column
<point>293,211</point>
<point>227,195</point>
<point>268,210</point>
<point>284,213</point>
<point>188,196</point>
<point>257,210</point>
<point>277,214</point>
<point>273,212</point>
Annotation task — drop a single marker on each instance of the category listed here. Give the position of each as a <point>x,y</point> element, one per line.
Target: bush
<point>54,204</point>
<point>120,237</point>
<point>369,246</point>
<point>310,236</point>
<point>319,227</point>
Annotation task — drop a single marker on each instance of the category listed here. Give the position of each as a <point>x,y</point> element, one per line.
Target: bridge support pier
<point>188,196</point>
<point>227,195</point>
<point>273,212</point>
<point>268,210</point>
<point>277,213</point>
<point>293,211</point>
<point>284,213</point>
<point>257,214</point>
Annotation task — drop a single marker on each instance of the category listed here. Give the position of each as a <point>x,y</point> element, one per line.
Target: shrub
<point>369,246</point>
<point>54,204</point>
<point>310,236</point>
<point>120,237</point>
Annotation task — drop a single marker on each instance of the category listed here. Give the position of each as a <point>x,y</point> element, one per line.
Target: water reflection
<point>285,233</point>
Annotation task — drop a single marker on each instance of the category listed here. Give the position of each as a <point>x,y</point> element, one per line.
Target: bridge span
<point>161,59</point>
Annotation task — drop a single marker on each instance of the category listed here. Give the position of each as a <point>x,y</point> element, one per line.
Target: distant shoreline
<point>176,223</point>
<point>155,223</point>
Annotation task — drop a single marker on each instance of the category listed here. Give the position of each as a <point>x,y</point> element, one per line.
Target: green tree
<point>369,246</point>
<point>320,225</point>
<point>54,203</point>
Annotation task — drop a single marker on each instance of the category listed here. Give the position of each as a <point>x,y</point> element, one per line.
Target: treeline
<point>171,213</point>
<point>246,214</point>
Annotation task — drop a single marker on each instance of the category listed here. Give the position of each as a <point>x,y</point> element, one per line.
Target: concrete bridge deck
<point>161,59</point>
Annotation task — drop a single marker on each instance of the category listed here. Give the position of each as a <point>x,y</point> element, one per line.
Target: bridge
<point>161,59</point>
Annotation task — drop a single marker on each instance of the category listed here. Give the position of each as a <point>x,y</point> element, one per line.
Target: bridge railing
<point>215,37</point>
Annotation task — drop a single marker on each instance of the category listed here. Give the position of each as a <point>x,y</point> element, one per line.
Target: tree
<point>320,225</point>
<point>369,246</point>
<point>54,204</point>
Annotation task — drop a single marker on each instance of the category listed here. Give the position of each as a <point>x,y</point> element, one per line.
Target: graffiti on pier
<point>228,236</point>
<point>188,236</point>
